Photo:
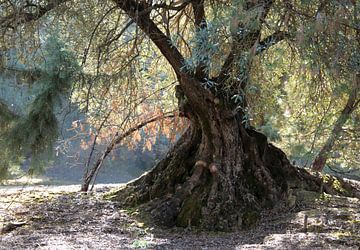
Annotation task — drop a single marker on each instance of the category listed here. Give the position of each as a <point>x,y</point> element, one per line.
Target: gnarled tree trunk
<point>219,175</point>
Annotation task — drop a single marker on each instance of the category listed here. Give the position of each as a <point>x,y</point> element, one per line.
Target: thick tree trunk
<point>219,175</point>
<point>351,104</point>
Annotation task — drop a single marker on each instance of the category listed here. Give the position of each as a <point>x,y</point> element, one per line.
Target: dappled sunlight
<point>59,217</point>
<point>238,119</point>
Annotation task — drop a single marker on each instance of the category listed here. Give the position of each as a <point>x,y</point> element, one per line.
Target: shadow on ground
<point>58,217</point>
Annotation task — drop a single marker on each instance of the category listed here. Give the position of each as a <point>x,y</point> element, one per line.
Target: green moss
<point>325,177</point>
<point>343,234</point>
<point>336,184</point>
<point>306,197</point>
<point>190,214</point>
<point>249,218</point>
<point>325,197</point>
<point>113,195</point>
<point>139,243</point>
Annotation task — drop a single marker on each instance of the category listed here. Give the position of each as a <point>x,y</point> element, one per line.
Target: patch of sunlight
<point>26,180</point>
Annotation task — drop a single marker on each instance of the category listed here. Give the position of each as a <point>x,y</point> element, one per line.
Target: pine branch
<point>140,13</point>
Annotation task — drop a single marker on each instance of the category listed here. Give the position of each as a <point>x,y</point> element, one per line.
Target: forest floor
<point>59,217</point>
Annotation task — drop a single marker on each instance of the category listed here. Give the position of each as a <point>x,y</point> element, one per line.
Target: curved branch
<point>271,40</point>
<point>140,13</point>
<point>117,139</point>
<point>22,16</point>
<point>86,51</point>
<point>351,105</point>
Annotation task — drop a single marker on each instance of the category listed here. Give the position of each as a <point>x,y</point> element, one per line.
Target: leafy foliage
<point>36,132</point>
<point>294,88</point>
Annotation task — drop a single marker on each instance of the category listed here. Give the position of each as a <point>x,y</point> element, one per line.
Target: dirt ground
<point>59,217</point>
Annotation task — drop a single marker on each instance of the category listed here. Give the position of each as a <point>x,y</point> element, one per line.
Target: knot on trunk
<point>212,167</point>
<point>201,163</point>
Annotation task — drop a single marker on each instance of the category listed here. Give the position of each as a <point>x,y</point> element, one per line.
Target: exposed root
<point>185,190</point>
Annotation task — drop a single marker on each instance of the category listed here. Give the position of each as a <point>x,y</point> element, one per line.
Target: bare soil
<point>60,217</point>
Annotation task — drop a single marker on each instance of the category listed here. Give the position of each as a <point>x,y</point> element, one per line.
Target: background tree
<point>35,131</point>
<point>221,172</point>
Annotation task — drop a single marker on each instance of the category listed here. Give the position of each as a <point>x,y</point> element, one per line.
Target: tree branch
<point>271,40</point>
<point>117,139</point>
<point>140,14</point>
<point>172,7</point>
<point>353,100</point>
<point>200,23</point>
<point>244,40</point>
<point>86,51</point>
<point>20,16</point>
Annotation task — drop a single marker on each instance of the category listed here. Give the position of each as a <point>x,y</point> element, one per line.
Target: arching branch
<point>271,40</point>
<point>22,15</point>
<point>116,140</point>
<point>140,13</point>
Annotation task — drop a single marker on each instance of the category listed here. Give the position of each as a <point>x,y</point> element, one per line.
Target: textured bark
<point>219,175</point>
<point>351,105</point>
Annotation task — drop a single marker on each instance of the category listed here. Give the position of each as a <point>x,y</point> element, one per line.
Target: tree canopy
<point>289,68</point>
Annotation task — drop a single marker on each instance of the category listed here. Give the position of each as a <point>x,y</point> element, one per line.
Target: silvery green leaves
<point>270,130</point>
<point>242,71</point>
<point>205,49</point>
<point>354,60</point>
<point>208,84</point>
<point>238,99</point>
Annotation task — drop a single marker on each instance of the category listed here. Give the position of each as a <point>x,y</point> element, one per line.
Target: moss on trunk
<point>219,175</point>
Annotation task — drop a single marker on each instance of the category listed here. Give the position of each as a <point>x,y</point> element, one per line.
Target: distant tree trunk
<point>90,174</point>
<point>351,104</point>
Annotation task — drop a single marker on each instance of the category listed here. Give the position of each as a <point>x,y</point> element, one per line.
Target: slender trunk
<point>90,174</point>
<point>351,104</point>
